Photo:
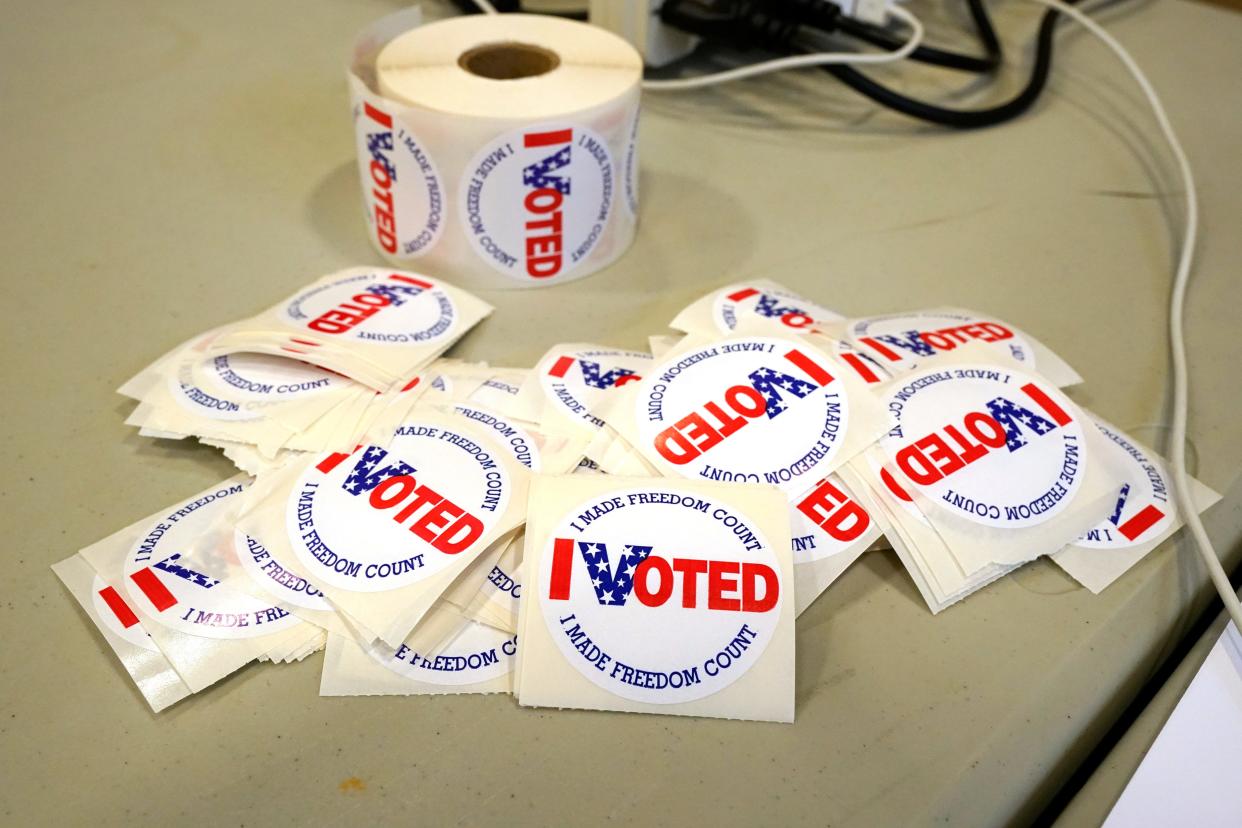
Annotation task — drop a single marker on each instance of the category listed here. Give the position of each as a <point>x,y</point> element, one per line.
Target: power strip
<point>638,21</point>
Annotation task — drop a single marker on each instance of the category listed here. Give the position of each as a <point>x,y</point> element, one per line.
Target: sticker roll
<point>497,151</point>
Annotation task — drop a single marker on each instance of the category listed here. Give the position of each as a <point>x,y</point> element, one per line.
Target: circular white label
<point>535,202</point>
<point>659,596</point>
<point>1144,507</point>
<point>900,341</point>
<point>576,382</point>
<point>379,519</point>
<point>478,654</point>
<point>172,592</point>
<point>517,440</point>
<point>741,302</point>
<point>118,617</point>
<point>402,189</point>
<point>209,403</point>
<point>826,521</point>
<point>263,377</point>
<point>756,410</point>
<point>273,578</point>
<point>377,308</point>
<point>993,446</point>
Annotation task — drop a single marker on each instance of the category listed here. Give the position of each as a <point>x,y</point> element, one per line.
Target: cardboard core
<point>508,61</point>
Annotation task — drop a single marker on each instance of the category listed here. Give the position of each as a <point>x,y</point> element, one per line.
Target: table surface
<point>171,166</point>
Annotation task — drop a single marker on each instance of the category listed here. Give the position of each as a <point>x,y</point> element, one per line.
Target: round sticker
<point>535,201</point>
<point>170,591</point>
<point>477,654</point>
<point>263,377</point>
<point>900,341</point>
<point>378,308</point>
<point>274,578</point>
<point>742,302</point>
<point>382,518</point>
<point>211,404</point>
<point>1144,508</point>
<point>753,410</point>
<point>117,616</point>
<point>402,189</point>
<point>576,382</point>
<point>826,521</point>
<point>659,596</point>
<point>520,444</point>
<point>990,445</point>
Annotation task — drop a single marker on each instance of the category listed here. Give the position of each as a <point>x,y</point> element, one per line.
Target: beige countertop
<point>169,166</point>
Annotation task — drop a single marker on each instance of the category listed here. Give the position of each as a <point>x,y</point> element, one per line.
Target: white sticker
<point>519,442</point>
<point>118,617</point>
<point>376,308</point>
<point>826,521</point>
<point>480,653</point>
<point>768,302</point>
<point>263,377</point>
<point>657,596</point>
<point>990,445</point>
<point>399,178</point>
<point>191,396</point>
<point>382,518</point>
<point>576,382</point>
<point>535,201</point>
<point>274,578</point>
<point>183,599</point>
<point>755,409</point>
<point>1144,508</point>
<point>900,341</point>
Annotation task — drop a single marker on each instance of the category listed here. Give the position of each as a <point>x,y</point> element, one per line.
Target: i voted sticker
<point>796,314</point>
<point>212,404</point>
<point>403,191</point>
<point>658,596</point>
<point>901,341</point>
<point>577,382</point>
<point>826,521</point>
<point>376,308</point>
<point>274,578</point>
<point>478,654</point>
<point>757,410</point>
<point>167,589</point>
<point>117,615</point>
<point>994,446</point>
<point>535,202</point>
<point>517,440</point>
<point>1144,507</point>
<point>266,378</point>
<point>382,518</point>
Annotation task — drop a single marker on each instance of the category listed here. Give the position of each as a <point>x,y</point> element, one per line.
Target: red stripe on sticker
<point>744,293</point>
<point>1148,517</point>
<point>1045,402</point>
<point>562,564</point>
<point>292,350</point>
<point>561,366</point>
<point>409,280</point>
<point>881,349</point>
<point>411,384</point>
<point>548,139</point>
<point>381,118</point>
<point>304,342</point>
<point>810,366</point>
<point>860,367</point>
<point>118,606</point>
<point>154,589</point>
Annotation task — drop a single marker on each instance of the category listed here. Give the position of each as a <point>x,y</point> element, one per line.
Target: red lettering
<point>932,458</point>
<point>562,565</point>
<point>833,511</point>
<point>664,581</point>
<point>752,573</point>
<point>690,570</point>
<point>716,586</point>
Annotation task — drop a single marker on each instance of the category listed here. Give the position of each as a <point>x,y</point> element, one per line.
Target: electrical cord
<point>1177,302</point>
<point>878,36</point>
<point>783,31</point>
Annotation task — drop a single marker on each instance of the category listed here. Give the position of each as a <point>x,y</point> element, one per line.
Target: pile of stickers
<point>611,529</point>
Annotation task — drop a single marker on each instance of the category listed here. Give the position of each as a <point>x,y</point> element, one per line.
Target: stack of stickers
<point>612,529</point>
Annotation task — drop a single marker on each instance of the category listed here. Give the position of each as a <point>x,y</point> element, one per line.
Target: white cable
<point>485,6</point>
<point>1181,483</point>
<point>798,61</point>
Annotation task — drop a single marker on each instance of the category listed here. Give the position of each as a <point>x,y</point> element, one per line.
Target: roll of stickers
<point>498,151</point>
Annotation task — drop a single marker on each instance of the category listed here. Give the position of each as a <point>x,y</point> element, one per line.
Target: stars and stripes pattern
<point>538,175</point>
<point>1012,417</point>
<point>769,382</point>
<point>363,478</point>
<point>612,586</point>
